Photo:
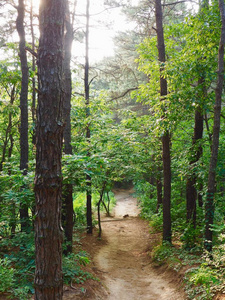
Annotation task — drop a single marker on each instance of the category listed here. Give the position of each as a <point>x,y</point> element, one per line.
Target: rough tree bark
<point>48,177</point>
<point>166,136</point>
<point>211,188</point>
<point>24,216</point>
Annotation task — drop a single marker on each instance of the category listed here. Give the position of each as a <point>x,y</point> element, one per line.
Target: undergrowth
<point>17,257</point>
<point>17,266</point>
<point>204,276</point>
<point>203,273</point>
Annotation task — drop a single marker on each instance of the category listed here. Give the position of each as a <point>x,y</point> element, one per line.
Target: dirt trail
<point>124,262</point>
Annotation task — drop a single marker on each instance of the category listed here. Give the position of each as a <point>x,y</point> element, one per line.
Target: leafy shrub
<point>208,278</point>
<point>201,282</point>
<point>21,257</point>
<point>72,268</point>
<point>20,293</point>
<point>146,194</point>
<point>203,276</point>
<point>6,275</point>
<point>162,252</point>
<point>191,237</point>
<point>156,221</point>
<point>18,266</point>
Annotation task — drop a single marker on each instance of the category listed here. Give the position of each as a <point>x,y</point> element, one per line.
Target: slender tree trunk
<point>49,135</point>
<point>159,191</point>
<point>99,214</point>
<point>24,217</point>
<point>99,208</point>
<point>166,136</point>
<point>196,152</point>
<point>67,188</point>
<point>13,218</point>
<point>191,192</point>
<point>33,105</point>
<point>209,205</point>
<point>8,135</point>
<point>88,131</point>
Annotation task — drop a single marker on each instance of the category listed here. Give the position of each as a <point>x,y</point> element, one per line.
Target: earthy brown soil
<point>121,259</point>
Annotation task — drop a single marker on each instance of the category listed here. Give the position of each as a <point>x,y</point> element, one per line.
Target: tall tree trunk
<point>196,152</point>
<point>67,188</point>
<point>209,205</point>
<point>159,190</point>
<point>13,218</point>
<point>33,105</point>
<point>8,135</point>
<point>49,136</point>
<point>166,136</point>
<point>88,131</point>
<point>24,217</point>
<point>191,192</point>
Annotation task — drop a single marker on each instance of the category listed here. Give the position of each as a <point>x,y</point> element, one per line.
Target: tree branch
<point>124,93</point>
<point>92,79</point>
<point>78,94</point>
<point>31,51</point>
<point>174,3</point>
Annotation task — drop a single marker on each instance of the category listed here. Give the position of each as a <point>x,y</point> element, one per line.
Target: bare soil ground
<point>122,262</point>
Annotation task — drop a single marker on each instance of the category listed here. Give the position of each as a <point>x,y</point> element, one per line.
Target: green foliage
<point>125,145</point>
<point>191,237</point>
<point>213,267</point>
<point>79,205</point>
<point>72,268</point>
<point>156,221</point>
<point>17,266</point>
<point>161,253</point>
<point>16,189</point>
<point>19,254</point>
<point>203,276</point>
<point>6,273</point>
<point>188,58</point>
<point>147,198</point>
<point>201,282</point>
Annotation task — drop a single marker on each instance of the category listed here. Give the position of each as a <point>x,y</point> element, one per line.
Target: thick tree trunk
<point>166,136</point>
<point>67,188</point>
<point>88,131</point>
<point>24,217</point>
<point>209,205</point>
<point>48,178</point>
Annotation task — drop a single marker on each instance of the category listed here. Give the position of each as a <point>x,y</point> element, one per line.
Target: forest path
<point>123,260</point>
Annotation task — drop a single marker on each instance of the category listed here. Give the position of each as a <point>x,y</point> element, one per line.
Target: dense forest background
<point>151,115</point>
